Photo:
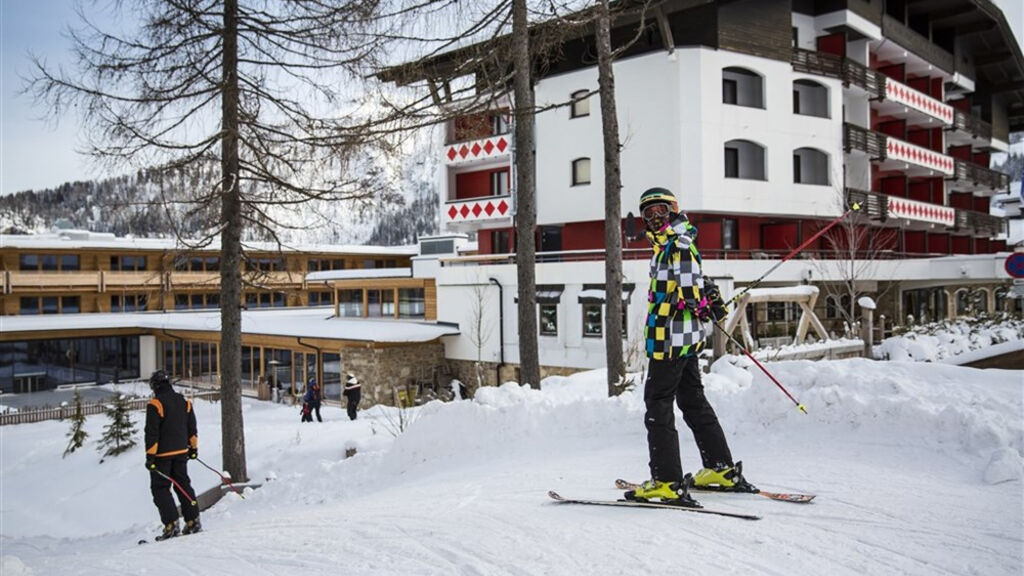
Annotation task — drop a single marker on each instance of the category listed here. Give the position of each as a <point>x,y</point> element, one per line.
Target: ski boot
<point>192,526</point>
<point>170,531</point>
<point>672,493</point>
<point>723,479</point>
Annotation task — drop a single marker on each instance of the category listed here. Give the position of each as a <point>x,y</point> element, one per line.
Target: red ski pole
<point>176,485</point>
<point>799,406</point>
<point>223,478</point>
<point>796,251</point>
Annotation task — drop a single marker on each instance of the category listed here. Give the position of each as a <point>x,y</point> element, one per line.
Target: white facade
<point>674,127</point>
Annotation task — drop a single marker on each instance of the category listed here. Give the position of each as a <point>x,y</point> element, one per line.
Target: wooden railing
<point>820,63</point>
<point>88,409</point>
<point>907,38</point>
<point>872,81</point>
<point>872,204</point>
<point>971,172</point>
<point>875,206</point>
<point>857,138</point>
<point>972,125</point>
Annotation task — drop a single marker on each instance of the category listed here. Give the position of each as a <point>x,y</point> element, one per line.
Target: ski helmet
<point>158,379</point>
<point>653,196</point>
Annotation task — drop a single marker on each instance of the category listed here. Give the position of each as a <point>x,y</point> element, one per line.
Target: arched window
<point>744,159</point>
<point>810,98</point>
<point>810,166</point>
<point>580,104</point>
<point>742,87</point>
<point>580,171</point>
<point>963,302</point>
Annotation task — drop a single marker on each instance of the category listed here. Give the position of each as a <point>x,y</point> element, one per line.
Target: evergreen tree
<point>119,435</point>
<point>77,434</point>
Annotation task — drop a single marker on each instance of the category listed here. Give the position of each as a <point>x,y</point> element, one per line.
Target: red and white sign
<point>493,147</point>
<point>906,152</point>
<point>898,92</point>
<point>921,211</point>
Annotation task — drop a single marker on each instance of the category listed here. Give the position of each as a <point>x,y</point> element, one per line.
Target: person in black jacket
<point>171,440</point>
<point>352,392</point>
<point>311,402</point>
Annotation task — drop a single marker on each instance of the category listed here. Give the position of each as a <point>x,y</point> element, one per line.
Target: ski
<point>631,504</point>
<point>780,496</point>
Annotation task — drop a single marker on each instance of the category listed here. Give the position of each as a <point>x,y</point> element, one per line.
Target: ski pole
<point>178,486</point>
<point>799,406</point>
<point>223,478</point>
<point>796,251</point>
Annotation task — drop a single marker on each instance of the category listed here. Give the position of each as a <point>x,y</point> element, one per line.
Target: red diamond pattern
<point>463,151</point>
<point>922,102</point>
<point>489,147</point>
<point>502,144</point>
<point>502,207</point>
<point>476,149</point>
<point>452,213</point>
<point>464,211</point>
<point>452,154</point>
<point>477,210</point>
<point>918,211</point>
<point>489,209</point>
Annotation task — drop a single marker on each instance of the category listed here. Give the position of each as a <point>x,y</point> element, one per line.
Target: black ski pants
<point>353,404</point>
<point>176,467</point>
<point>677,381</point>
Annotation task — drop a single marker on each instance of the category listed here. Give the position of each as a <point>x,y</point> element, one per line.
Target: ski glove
<point>193,453</point>
<point>717,306</point>
<point>150,462</point>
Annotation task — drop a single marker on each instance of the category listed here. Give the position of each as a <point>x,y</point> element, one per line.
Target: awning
<point>548,293</point>
<point>595,294</point>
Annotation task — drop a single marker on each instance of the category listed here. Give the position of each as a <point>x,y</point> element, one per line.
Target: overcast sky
<point>35,153</point>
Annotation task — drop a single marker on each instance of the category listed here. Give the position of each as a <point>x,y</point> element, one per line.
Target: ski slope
<point>917,467</point>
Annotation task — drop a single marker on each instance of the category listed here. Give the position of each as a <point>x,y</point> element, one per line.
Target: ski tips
<point>801,408</point>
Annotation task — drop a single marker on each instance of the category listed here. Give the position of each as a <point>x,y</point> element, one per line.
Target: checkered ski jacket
<point>672,330</point>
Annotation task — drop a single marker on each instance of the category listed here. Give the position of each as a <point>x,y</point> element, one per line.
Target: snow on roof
<point>363,273</point>
<point>80,239</point>
<point>291,322</point>
<point>798,291</point>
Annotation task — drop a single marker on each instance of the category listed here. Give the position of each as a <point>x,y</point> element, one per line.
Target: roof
<point>81,239</point>
<point>288,322</point>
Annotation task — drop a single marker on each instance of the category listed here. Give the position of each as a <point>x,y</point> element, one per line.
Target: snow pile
<point>953,342</point>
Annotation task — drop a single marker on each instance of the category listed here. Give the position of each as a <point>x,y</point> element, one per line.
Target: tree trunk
<point>526,184</point>
<point>232,430</point>
<point>612,205</point>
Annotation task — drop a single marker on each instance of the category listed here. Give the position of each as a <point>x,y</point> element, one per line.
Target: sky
<point>37,153</point>
<point>916,467</point>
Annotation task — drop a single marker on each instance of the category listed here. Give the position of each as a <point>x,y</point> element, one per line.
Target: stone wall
<point>465,372</point>
<point>382,370</point>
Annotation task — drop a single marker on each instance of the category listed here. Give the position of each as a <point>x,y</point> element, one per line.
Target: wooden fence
<point>67,411</point>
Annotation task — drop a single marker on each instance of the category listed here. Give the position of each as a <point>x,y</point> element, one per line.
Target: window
<point>810,166</point>
<point>796,37</point>
<point>499,183</point>
<point>319,298</point>
<point>730,234</point>
<point>593,320</point>
<point>51,305</point>
<point>28,262</point>
<point>836,305</point>
<point>127,302</point>
<point>69,262</point>
<point>580,104</point>
<point>776,311</point>
<point>410,303</point>
<point>350,303</point>
<point>29,305</point>
<point>48,262</point>
<point>732,162</point>
<point>70,304</point>
<point>501,242</point>
<point>499,124</point>
<point>742,87</point>
<point>580,171</point>
<point>728,91</point>
<point>810,98</point>
<point>548,319</point>
<point>744,159</point>
<point>380,303</point>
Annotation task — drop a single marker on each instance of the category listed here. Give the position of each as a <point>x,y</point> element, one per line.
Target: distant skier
<point>680,300</point>
<point>171,440</point>
<point>311,402</point>
<point>352,393</point>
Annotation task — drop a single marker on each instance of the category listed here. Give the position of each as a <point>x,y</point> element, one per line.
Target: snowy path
<point>464,490</point>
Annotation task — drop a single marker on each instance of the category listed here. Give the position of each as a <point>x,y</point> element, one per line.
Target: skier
<point>680,300</point>
<point>311,401</point>
<point>171,440</point>
<point>352,392</point>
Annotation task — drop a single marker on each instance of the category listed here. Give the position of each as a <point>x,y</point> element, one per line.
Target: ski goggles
<point>655,211</point>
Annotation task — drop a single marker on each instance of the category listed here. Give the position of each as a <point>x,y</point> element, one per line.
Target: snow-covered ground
<point>917,467</point>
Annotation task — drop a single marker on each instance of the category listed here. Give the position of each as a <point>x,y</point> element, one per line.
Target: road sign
<point>1014,265</point>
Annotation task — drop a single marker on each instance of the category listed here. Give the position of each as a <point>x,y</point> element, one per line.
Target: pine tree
<point>119,435</point>
<point>77,434</point>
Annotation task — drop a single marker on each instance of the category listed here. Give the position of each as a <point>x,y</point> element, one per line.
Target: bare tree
<point>481,326</point>
<point>850,253</point>
<point>254,87</point>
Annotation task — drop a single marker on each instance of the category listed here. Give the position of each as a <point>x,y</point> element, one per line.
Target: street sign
<point>1014,265</point>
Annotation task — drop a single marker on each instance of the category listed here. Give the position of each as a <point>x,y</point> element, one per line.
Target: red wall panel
<point>960,245</point>
<point>960,152</point>
<point>780,236</point>
<point>895,71</point>
<point>913,242</point>
<point>894,186</point>
<point>938,243</point>
<point>980,204</point>
<point>920,190</point>
<point>475,184</point>
<point>961,200</point>
<point>832,44</point>
<point>894,128</point>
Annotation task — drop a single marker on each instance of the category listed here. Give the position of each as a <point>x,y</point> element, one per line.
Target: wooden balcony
<point>910,40</point>
<point>884,208</point>
<point>868,141</point>
<point>895,154</point>
<point>971,124</point>
<point>23,282</point>
<point>971,177</point>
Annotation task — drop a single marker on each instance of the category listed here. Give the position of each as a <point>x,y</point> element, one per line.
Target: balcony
<point>18,281</point>
<point>922,215</point>
<point>899,97</point>
<point>473,211</point>
<point>895,154</point>
<point>970,177</point>
<point>477,151</point>
<point>968,129</point>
